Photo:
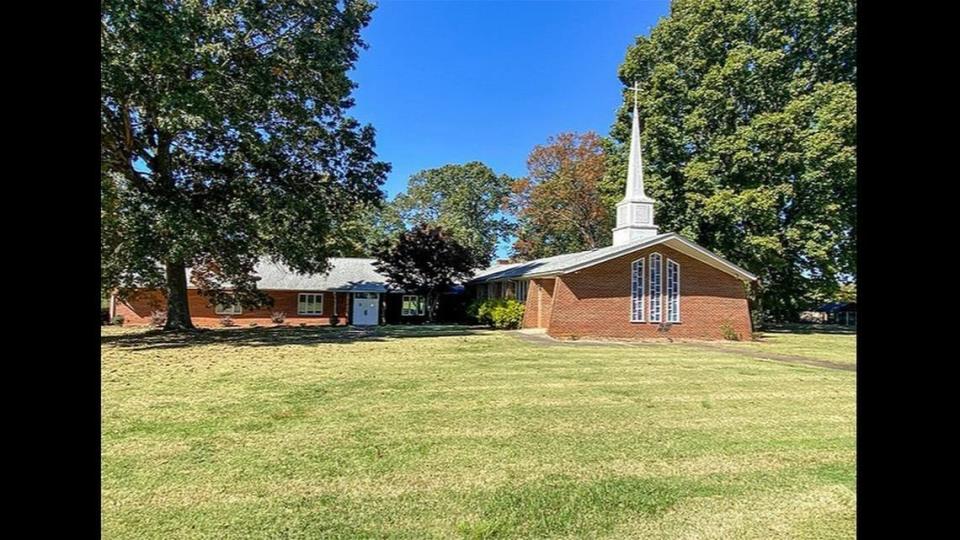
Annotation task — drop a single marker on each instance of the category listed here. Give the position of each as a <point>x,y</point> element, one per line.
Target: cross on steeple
<point>636,90</point>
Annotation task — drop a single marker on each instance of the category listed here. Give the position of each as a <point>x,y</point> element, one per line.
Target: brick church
<point>645,285</point>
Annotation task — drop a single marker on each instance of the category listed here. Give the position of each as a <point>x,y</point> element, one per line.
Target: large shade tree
<point>558,205</point>
<point>225,139</point>
<point>464,199</point>
<point>748,110</point>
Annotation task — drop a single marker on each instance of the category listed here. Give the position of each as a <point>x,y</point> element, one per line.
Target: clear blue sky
<point>457,81</point>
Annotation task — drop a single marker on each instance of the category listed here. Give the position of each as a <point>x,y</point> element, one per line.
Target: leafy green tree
<point>748,110</point>
<point>369,227</point>
<point>559,206</point>
<point>465,200</point>
<point>225,139</point>
<point>427,260</point>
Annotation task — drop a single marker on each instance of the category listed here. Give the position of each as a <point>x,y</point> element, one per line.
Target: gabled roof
<point>345,274</point>
<point>570,262</point>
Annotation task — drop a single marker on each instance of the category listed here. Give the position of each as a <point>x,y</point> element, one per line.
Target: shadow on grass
<point>801,328</point>
<point>280,335</point>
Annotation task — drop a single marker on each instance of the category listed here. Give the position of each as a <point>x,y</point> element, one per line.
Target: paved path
<point>543,339</point>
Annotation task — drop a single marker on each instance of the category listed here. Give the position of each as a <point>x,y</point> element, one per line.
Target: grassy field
<point>306,433</point>
<point>836,344</point>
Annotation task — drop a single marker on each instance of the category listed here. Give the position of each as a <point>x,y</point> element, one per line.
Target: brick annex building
<point>646,285</point>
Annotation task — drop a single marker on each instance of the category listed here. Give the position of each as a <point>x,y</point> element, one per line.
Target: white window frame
<point>520,289</point>
<point>301,302</point>
<point>673,313</point>
<point>420,302</point>
<point>637,293</point>
<point>225,309</point>
<point>656,288</point>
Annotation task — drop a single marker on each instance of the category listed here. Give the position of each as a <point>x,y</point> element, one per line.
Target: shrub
<point>278,317</point>
<point>117,320</point>
<point>728,332</point>
<point>497,312</point>
<point>227,321</point>
<point>335,320</point>
<point>158,318</point>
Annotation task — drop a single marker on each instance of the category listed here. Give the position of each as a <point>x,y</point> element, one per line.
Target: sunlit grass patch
<point>450,432</point>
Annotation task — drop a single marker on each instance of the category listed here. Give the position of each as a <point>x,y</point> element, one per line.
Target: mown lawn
<point>305,433</point>
<point>836,344</point>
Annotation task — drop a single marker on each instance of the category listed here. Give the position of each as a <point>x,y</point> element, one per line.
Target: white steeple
<point>635,211</point>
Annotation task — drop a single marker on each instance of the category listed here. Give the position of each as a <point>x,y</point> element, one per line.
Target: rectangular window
<point>673,291</point>
<point>656,285</point>
<point>636,291</point>
<point>413,305</point>
<point>521,288</point>
<point>309,303</point>
<point>228,309</point>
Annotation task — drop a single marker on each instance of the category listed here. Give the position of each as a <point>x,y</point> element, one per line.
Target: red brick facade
<point>539,304</point>
<point>595,301</point>
<point>136,311</point>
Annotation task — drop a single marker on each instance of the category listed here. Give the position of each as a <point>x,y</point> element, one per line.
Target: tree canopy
<point>465,200</point>
<point>225,139</point>
<point>748,110</point>
<point>427,260</point>
<point>558,205</point>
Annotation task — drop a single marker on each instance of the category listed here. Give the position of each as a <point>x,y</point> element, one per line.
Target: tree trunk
<point>178,310</point>
<point>430,306</point>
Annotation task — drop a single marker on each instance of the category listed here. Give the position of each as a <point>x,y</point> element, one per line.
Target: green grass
<point>836,344</point>
<point>320,433</point>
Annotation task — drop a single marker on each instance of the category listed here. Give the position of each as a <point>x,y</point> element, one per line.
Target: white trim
<point>521,285</point>
<point>672,240</point>
<point>677,312</point>
<point>301,302</point>
<point>636,296</point>
<point>658,284</point>
<point>334,303</point>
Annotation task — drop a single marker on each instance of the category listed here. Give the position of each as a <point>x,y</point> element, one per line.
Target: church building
<point>645,285</point>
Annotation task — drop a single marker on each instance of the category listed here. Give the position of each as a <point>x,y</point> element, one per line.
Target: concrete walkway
<point>540,337</point>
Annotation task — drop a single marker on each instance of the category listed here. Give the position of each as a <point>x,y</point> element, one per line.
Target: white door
<point>366,309</point>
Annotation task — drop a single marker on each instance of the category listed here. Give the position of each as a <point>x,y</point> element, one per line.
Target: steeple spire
<point>635,165</point>
<point>635,211</point>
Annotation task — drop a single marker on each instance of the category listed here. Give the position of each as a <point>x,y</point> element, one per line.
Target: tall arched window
<point>673,291</point>
<point>656,287</point>
<point>636,291</point>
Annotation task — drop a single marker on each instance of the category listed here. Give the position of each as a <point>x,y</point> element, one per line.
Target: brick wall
<point>595,301</point>
<point>137,309</point>
<point>539,299</point>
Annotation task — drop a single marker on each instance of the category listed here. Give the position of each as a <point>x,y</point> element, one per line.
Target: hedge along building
<point>645,285</point>
<point>351,292</point>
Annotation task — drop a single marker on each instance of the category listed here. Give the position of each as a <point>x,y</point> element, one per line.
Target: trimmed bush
<point>117,320</point>
<point>497,312</point>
